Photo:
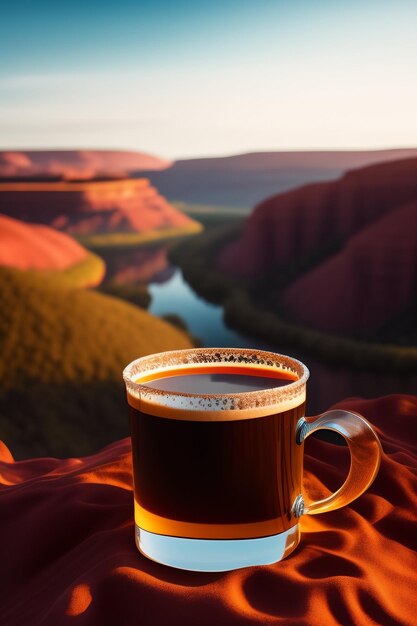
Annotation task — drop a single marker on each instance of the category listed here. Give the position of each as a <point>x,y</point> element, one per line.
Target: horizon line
<point>212,155</point>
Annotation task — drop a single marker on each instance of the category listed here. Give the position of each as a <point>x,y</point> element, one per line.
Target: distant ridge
<point>76,164</point>
<point>243,180</point>
<point>300,159</point>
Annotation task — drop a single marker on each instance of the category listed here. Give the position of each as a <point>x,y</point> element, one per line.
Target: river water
<point>204,320</point>
<point>171,294</point>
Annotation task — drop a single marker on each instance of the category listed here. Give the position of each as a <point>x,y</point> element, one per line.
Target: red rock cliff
<point>293,225</point>
<point>76,164</point>
<point>370,281</point>
<point>127,205</point>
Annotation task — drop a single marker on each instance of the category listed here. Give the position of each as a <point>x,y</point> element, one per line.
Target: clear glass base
<point>216,555</point>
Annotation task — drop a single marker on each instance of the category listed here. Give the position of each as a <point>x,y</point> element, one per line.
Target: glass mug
<point>218,476</point>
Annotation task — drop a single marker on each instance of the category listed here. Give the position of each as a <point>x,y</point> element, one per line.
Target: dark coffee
<point>220,478</point>
<point>216,383</point>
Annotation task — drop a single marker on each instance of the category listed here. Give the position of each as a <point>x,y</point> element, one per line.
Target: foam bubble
<point>214,407</point>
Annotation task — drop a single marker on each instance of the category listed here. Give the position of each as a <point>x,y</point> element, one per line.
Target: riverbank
<point>243,313</point>
<point>115,241</point>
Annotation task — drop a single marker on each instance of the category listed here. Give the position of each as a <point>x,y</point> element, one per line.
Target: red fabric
<point>68,553</point>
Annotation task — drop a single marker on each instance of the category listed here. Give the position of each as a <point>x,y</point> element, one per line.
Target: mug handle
<point>365,457</point>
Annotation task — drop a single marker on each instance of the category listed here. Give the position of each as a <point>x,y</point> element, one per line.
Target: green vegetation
<point>196,259</point>
<point>62,351</point>
<point>131,240</point>
<point>179,322</point>
<point>175,320</point>
<point>87,273</point>
<point>246,309</point>
<point>402,329</point>
<point>243,314</point>
<point>135,294</point>
<point>209,215</point>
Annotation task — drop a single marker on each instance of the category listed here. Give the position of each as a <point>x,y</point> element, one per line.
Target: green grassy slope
<point>106,241</point>
<point>210,216</point>
<point>62,351</point>
<point>87,273</point>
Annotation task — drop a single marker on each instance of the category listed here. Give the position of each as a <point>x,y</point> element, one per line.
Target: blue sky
<point>199,78</point>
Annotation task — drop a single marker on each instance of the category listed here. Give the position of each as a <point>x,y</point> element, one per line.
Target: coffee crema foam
<point>215,407</point>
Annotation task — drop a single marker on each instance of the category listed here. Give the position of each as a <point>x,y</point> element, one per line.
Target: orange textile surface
<point>68,555</point>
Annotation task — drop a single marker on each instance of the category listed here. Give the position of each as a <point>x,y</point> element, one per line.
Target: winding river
<point>204,320</point>
<point>171,294</point>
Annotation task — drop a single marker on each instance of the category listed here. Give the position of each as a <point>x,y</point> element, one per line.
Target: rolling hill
<point>62,351</point>
<point>37,247</point>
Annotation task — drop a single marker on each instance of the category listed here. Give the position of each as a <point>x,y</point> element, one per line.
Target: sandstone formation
<point>370,281</point>
<point>82,208</point>
<point>288,227</point>
<point>351,244</point>
<point>76,164</point>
